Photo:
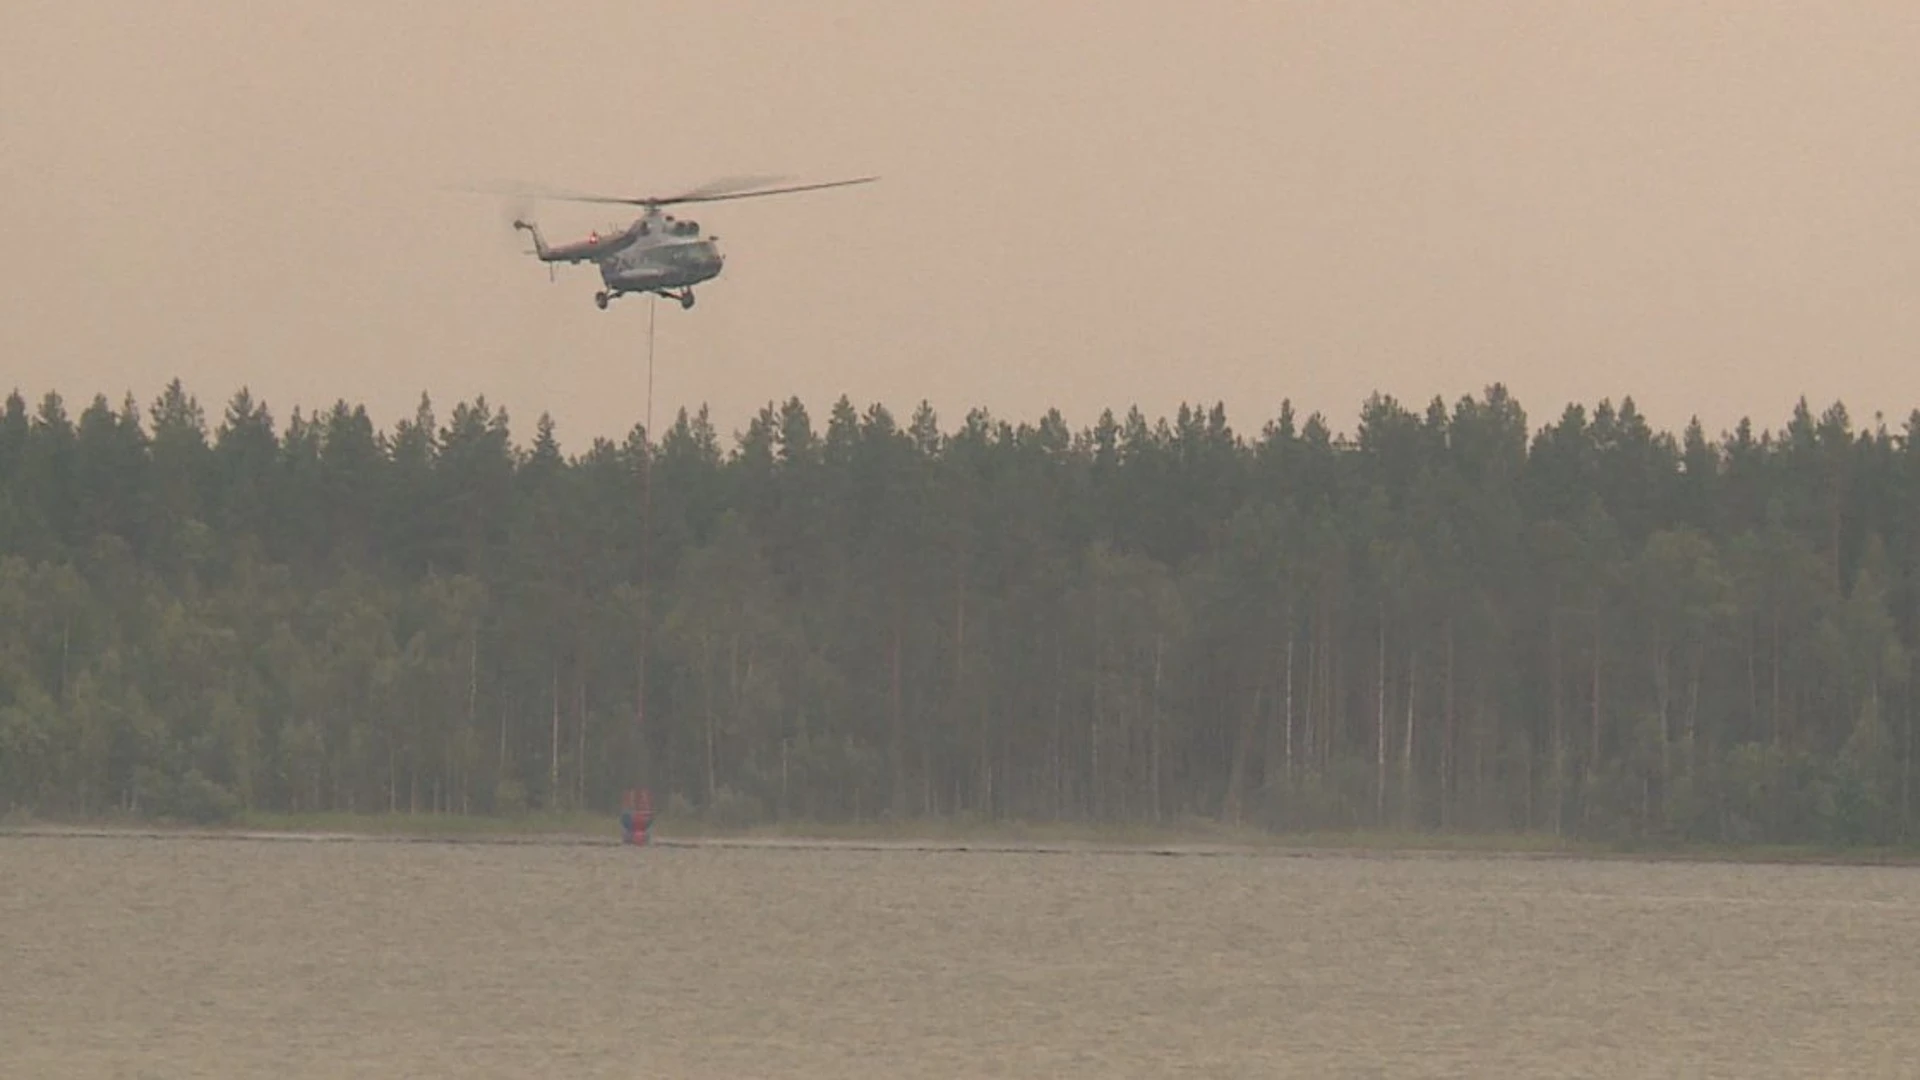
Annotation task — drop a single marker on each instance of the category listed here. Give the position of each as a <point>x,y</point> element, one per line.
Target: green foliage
<point>1446,622</point>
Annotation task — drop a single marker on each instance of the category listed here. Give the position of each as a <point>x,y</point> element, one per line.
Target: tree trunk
<point>1094,725</point>
<point>1906,776</point>
<point>1663,687</point>
<point>1447,736</point>
<point>1289,718</point>
<point>1691,728</point>
<point>1558,739</point>
<point>1380,726</point>
<point>897,724</point>
<point>958,696</point>
<point>1407,802</point>
<point>1061,782</point>
<point>580,735</point>
<point>1154,744</point>
<point>1778,735</point>
<point>930,801</point>
<point>553,745</point>
<point>706,681</point>
<point>1308,733</point>
<point>986,760</point>
<point>470,737</point>
<point>1333,726</point>
<point>1242,748</point>
<point>1598,722</point>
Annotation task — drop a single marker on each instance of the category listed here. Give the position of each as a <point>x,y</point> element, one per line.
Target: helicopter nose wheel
<point>686,300</point>
<point>601,299</point>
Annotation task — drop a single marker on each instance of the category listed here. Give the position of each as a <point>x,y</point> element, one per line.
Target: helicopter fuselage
<point>656,253</point>
<point>592,249</point>
<point>647,265</point>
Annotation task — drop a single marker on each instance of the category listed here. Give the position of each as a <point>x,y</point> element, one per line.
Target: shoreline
<point>939,837</point>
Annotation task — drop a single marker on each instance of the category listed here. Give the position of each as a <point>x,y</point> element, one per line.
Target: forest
<point>1444,619</point>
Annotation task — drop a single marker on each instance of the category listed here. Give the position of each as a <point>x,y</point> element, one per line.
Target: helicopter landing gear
<point>605,297</point>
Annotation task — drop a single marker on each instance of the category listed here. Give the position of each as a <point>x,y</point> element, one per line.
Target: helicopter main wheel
<point>686,300</point>
<point>601,299</point>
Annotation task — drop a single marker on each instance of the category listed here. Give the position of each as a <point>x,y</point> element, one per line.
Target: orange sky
<point>1708,206</point>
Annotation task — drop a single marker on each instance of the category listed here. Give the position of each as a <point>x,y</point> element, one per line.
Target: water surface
<point>161,958</point>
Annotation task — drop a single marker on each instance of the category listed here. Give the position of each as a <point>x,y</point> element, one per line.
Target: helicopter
<point>657,252</point>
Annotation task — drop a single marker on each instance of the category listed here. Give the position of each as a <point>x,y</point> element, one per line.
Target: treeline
<point>1443,620</point>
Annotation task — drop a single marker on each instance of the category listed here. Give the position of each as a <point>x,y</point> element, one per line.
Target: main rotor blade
<point>692,197</point>
<point>525,192</point>
<point>729,184</point>
<point>713,192</point>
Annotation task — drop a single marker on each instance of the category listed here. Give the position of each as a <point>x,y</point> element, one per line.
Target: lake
<point>164,958</point>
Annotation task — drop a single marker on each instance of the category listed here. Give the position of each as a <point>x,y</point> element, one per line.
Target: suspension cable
<point>646,547</point>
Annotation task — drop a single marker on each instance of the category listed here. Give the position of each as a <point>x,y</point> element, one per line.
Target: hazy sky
<point>1708,206</point>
